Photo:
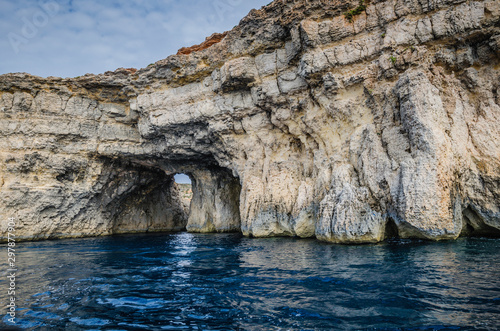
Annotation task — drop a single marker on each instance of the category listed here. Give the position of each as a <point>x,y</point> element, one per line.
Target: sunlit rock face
<point>299,122</point>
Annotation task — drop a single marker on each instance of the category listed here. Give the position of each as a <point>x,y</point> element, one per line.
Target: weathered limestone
<point>297,123</point>
<point>215,204</point>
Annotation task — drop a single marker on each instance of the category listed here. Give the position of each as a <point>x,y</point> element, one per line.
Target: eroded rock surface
<point>297,123</point>
<point>209,42</point>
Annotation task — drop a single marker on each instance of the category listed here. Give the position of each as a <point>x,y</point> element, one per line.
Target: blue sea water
<point>228,282</point>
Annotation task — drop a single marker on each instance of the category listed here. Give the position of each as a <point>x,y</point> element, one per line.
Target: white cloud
<point>96,36</point>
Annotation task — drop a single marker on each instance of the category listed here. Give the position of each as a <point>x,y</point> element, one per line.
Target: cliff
<point>313,118</point>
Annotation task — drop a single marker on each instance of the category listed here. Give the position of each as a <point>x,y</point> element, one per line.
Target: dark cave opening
<point>391,230</point>
<point>473,225</point>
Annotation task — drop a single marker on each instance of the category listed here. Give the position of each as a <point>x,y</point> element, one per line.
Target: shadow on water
<point>228,282</point>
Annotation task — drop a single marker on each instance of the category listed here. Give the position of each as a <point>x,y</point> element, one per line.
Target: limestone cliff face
<point>300,122</point>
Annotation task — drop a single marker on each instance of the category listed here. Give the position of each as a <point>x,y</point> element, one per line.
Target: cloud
<point>69,38</point>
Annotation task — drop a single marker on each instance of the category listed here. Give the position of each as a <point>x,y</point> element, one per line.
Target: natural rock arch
<point>154,204</point>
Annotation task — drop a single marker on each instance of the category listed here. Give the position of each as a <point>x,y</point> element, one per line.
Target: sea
<point>184,281</point>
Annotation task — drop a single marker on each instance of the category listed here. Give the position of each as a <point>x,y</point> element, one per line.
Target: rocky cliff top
<point>261,30</point>
<point>268,28</point>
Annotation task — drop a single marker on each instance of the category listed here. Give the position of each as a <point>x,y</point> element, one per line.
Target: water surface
<point>227,282</point>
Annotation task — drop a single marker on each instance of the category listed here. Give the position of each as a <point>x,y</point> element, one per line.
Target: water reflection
<point>183,245</point>
<point>229,282</point>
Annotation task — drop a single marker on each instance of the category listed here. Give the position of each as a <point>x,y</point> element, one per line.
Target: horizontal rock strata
<point>300,122</point>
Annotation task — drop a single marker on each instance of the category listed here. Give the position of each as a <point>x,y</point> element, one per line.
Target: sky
<point>182,179</point>
<point>69,38</point>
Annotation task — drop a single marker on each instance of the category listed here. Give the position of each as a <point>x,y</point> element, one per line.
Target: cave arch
<point>144,200</point>
<point>158,198</point>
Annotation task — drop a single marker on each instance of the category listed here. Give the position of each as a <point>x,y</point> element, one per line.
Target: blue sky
<point>69,38</point>
<point>182,179</point>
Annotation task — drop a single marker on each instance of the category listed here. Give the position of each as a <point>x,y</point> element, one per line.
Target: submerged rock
<point>299,122</point>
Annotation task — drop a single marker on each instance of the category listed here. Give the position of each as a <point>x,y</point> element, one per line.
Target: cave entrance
<point>391,230</point>
<point>185,185</point>
<point>196,199</point>
<point>142,199</point>
<point>475,226</point>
